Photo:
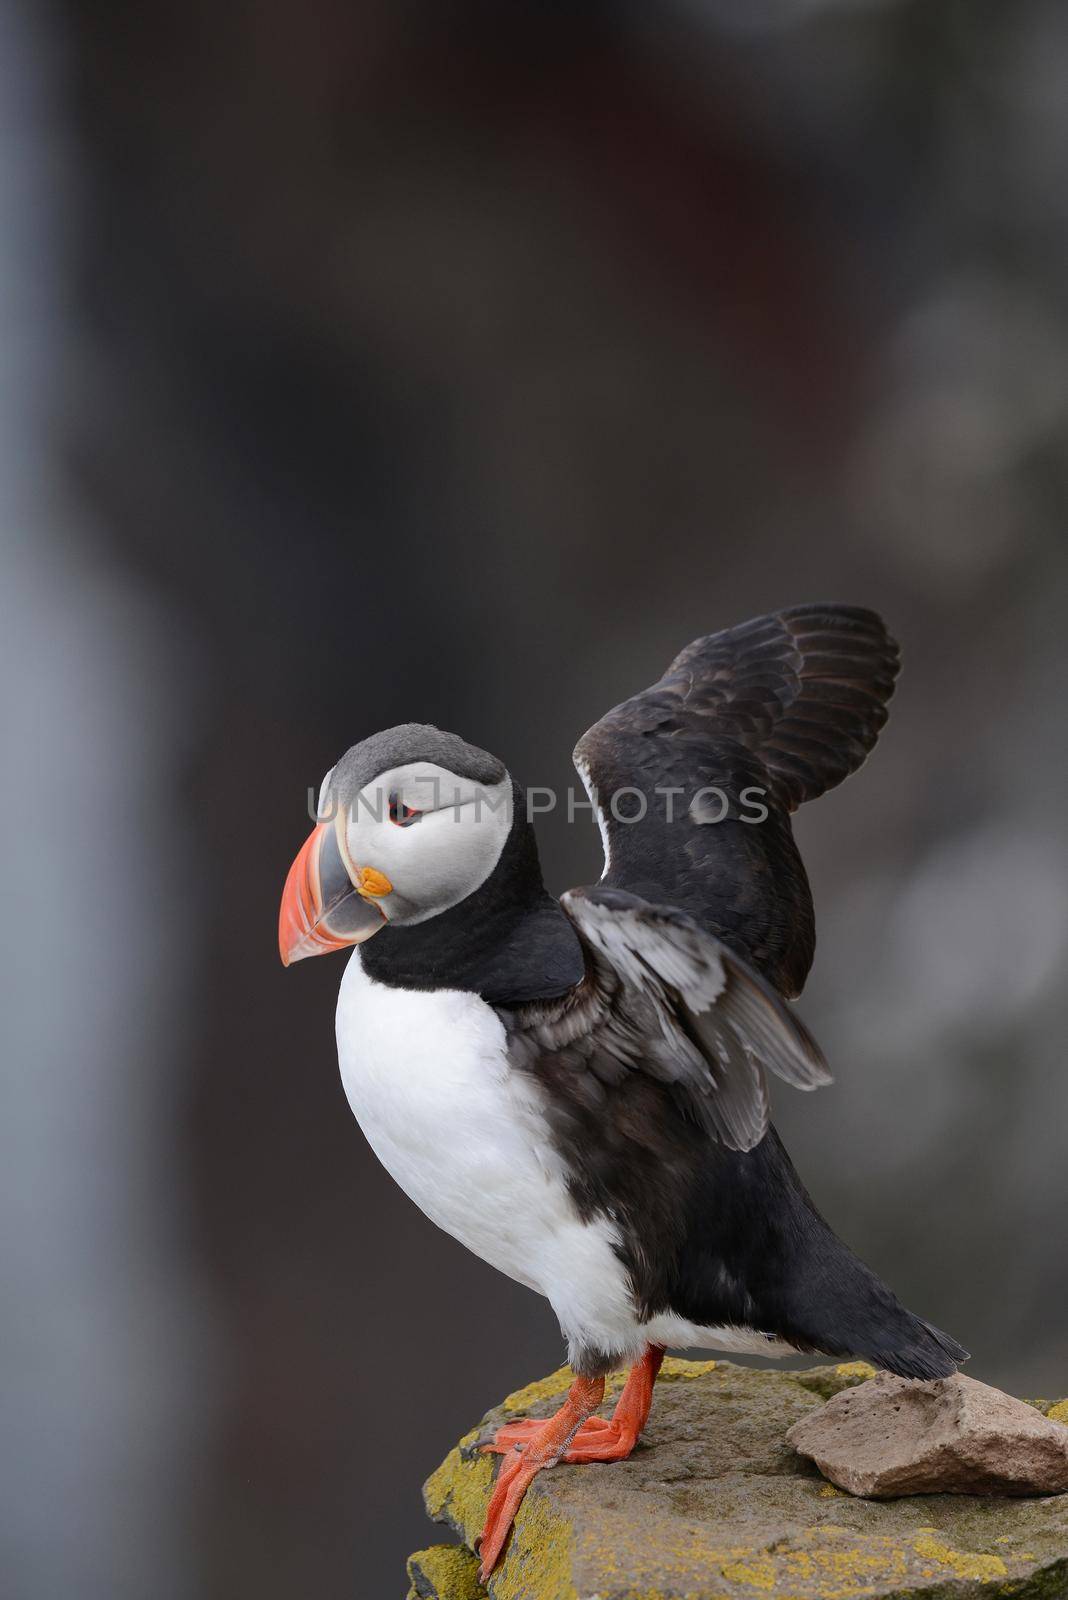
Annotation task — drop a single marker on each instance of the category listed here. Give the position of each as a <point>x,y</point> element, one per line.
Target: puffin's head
<point>412,821</point>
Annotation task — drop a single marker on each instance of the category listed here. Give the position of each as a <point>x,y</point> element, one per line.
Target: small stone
<point>895,1436</point>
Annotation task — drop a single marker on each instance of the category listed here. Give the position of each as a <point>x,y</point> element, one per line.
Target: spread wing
<point>695,779</point>
<point>665,999</point>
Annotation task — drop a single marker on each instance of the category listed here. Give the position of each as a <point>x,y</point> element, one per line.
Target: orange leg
<point>573,1434</point>
<point>543,1449</point>
<point>599,1438</point>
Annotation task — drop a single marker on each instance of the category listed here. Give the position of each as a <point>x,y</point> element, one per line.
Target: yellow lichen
<point>450,1569</point>
<point>616,1549</point>
<point>462,1489</point>
<point>1059,1412</point>
<point>537,1563</point>
<point>855,1369</point>
<point>758,1574</point>
<point>676,1367</point>
<point>557,1382</point>
<point>827,1491</point>
<point>964,1564</point>
<point>837,1564</point>
<point>830,1562</point>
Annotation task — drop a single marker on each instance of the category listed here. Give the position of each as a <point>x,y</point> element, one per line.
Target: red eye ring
<point>401,814</point>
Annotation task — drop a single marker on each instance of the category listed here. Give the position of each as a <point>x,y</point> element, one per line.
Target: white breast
<point>465,1137</point>
<point>427,1079</point>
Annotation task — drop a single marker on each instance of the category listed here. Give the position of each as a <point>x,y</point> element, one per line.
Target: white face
<point>436,837</point>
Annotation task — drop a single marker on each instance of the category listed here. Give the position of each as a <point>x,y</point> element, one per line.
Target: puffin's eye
<point>401,814</point>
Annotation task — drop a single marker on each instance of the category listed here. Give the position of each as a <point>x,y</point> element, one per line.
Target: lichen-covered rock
<point>444,1572</point>
<point>714,1504</point>
<point>955,1436</point>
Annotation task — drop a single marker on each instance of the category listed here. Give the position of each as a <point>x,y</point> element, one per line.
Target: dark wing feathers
<point>781,709</point>
<point>805,689</point>
<point>664,998</point>
<point>700,926</point>
<point>670,1035</point>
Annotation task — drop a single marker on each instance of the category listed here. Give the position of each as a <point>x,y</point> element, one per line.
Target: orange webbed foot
<point>598,1439</point>
<point>574,1434</point>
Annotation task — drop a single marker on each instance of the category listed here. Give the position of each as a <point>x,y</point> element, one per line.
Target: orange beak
<point>322,909</point>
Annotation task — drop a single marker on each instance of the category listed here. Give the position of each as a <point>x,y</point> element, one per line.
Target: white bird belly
<point>463,1134</point>
<point>426,1076</point>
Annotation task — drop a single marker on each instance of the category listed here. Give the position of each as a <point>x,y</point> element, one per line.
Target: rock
<point>715,1505</point>
<point>444,1572</point>
<point>956,1436</point>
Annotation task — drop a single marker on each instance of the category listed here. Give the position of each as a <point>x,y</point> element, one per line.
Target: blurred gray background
<point>458,362</point>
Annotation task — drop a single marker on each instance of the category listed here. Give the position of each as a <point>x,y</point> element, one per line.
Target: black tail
<point>759,1254</point>
<point>839,1307</point>
<point>832,1302</point>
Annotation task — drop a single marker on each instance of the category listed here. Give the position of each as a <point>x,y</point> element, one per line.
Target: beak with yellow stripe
<point>323,908</point>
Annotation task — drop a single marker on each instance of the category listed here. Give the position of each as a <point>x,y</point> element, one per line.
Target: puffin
<point>576,1088</point>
